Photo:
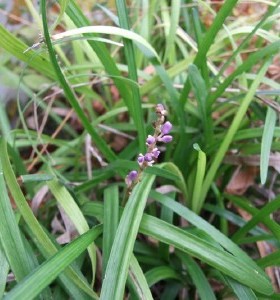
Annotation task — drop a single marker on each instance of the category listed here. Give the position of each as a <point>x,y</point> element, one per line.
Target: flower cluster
<point>161,134</point>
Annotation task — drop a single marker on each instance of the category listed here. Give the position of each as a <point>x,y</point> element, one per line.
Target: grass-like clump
<point>139,150</point>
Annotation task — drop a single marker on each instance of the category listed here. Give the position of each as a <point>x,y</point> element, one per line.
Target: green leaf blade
<point>268,132</point>
<point>117,267</point>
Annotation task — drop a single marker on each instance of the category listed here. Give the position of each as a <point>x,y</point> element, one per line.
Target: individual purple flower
<point>148,157</point>
<point>150,140</point>
<point>140,159</point>
<point>155,152</point>
<point>166,128</point>
<point>131,177</point>
<point>165,139</point>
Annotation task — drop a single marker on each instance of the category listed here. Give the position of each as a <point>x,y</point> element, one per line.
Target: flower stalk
<point>161,134</point>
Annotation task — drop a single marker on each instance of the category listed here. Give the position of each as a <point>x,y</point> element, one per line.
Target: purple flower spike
<point>131,177</point>
<point>155,153</point>
<point>148,157</point>
<point>166,139</point>
<point>166,127</point>
<point>150,140</point>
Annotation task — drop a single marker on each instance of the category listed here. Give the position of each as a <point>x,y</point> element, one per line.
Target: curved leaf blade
<point>32,285</point>
<point>118,263</point>
<point>268,132</point>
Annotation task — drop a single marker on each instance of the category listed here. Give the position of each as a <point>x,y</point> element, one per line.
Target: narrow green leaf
<point>272,259</point>
<point>250,62</point>
<point>132,73</point>
<point>166,215</point>
<point>161,273</point>
<point>69,93</point>
<point>268,132</point>
<point>140,42</point>
<point>110,223</point>
<point>203,287</point>
<point>34,13</point>
<point>4,270</point>
<point>233,218</point>
<point>200,92</point>
<point>171,291</point>
<point>162,172</point>
<point>74,284</point>
<point>36,177</point>
<point>173,25</point>
<point>110,66</point>
<point>242,202</point>
<point>109,13</point>
<point>244,43</point>
<point>180,181</point>
<point>233,263</point>
<point>138,280</point>
<point>32,285</point>
<point>4,121</point>
<point>74,213</point>
<point>197,200</point>
<point>10,236</point>
<point>117,267</point>
<point>63,6</point>
<point>261,215</point>
<point>222,260</point>
<point>104,56</point>
<point>200,223</point>
<point>208,40</point>
<point>13,45</point>
<point>232,130</point>
<point>95,181</point>
<point>241,291</point>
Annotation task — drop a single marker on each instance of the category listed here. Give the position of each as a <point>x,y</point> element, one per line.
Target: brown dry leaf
<point>241,180</point>
<point>65,226</point>
<point>119,143</point>
<point>253,160</point>
<point>16,10</point>
<point>61,111</point>
<point>98,107</point>
<point>274,68</point>
<point>249,9</point>
<point>115,93</point>
<point>38,199</point>
<point>274,161</point>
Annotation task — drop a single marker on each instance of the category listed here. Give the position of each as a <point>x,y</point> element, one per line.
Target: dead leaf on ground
<point>241,180</point>
<point>253,160</point>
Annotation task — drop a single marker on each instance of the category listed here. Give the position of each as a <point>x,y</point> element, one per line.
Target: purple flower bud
<point>155,153</point>
<point>150,140</point>
<point>166,127</point>
<point>160,109</point>
<point>131,177</point>
<point>140,159</point>
<point>165,139</point>
<point>148,157</point>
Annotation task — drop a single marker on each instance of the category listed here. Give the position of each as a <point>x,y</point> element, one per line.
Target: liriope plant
<point>149,219</point>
